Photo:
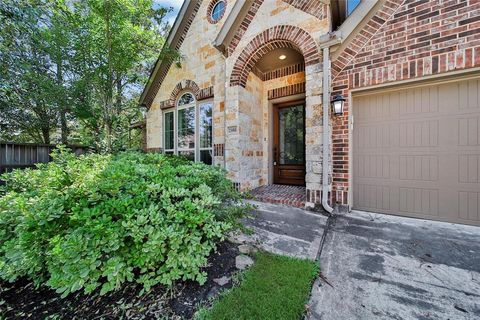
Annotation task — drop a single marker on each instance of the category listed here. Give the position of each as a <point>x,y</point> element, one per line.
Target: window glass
<point>206,156</point>
<point>186,128</point>
<point>187,98</point>
<point>169,131</point>
<point>190,155</point>
<point>205,125</point>
<point>218,10</point>
<point>352,5</point>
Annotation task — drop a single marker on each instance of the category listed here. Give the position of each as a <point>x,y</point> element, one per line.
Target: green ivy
<point>97,221</point>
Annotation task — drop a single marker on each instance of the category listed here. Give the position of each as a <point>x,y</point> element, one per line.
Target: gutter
<point>326,121</point>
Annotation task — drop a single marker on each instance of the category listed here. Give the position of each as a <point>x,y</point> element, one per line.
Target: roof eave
<point>226,33</point>
<point>353,23</point>
<point>183,13</point>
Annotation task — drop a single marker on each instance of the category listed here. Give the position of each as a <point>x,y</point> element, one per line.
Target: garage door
<point>416,151</point>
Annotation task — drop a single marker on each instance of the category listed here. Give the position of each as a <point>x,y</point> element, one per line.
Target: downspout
<point>227,82</point>
<point>326,120</point>
<point>326,128</point>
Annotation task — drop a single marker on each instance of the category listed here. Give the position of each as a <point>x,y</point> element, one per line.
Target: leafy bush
<point>101,220</point>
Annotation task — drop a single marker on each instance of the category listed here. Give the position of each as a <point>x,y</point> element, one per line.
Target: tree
<point>121,39</point>
<point>73,70</point>
<point>27,92</point>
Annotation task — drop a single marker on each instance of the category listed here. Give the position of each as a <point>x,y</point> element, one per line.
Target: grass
<point>276,287</point>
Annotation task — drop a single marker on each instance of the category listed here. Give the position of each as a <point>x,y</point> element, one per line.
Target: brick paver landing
<point>281,194</point>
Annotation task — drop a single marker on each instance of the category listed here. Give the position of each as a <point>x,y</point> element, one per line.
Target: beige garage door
<point>416,151</point>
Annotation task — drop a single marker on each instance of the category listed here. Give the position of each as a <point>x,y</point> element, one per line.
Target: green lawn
<point>275,287</point>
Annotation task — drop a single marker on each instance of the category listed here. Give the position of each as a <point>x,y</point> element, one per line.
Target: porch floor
<point>281,194</point>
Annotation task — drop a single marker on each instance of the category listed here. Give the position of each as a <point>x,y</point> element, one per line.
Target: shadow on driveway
<point>388,267</point>
<point>286,230</point>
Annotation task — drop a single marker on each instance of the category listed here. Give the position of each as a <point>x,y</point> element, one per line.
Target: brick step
<point>281,194</point>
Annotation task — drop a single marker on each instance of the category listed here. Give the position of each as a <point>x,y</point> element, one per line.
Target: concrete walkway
<point>285,230</point>
<point>387,267</point>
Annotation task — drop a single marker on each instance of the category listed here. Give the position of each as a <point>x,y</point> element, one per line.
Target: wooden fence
<point>26,155</point>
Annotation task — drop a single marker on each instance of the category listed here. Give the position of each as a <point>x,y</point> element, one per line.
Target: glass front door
<point>289,144</point>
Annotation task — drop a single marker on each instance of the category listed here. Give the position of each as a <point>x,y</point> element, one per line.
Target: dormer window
<point>341,10</point>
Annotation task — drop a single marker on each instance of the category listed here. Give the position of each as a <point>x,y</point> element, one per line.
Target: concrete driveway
<point>386,267</point>
<point>285,230</point>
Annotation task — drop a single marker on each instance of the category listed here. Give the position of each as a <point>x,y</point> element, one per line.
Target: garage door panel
<point>468,168</point>
<point>469,205</point>
<point>416,152</point>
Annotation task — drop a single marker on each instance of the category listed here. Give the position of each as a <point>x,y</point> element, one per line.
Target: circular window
<point>216,10</point>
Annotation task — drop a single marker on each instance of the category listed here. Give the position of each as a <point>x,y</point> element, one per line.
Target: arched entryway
<point>283,36</point>
<point>273,110</point>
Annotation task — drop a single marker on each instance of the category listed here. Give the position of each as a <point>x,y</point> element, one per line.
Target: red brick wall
<point>404,40</point>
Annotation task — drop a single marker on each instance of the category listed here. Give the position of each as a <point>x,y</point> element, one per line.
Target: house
<point>255,88</point>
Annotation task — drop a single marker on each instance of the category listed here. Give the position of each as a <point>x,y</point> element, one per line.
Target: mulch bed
<point>20,300</point>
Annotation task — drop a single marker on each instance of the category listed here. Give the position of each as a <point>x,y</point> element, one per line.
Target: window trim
<point>197,148</point>
<point>220,14</point>
<point>211,9</point>
<point>183,107</point>
<point>171,110</point>
<point>200,148</point>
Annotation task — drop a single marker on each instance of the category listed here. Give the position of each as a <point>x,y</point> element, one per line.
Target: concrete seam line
<point>330,220</point>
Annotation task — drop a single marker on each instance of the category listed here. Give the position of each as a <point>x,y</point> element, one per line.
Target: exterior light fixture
<point>337,105</point>
<point>282,57</point>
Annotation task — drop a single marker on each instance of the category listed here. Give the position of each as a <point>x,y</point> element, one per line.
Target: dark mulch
<point>20,300</point>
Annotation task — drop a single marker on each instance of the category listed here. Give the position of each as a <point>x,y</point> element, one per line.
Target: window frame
<point>183,107</point>
<point>347,8</point>
<point>200,148</point>
<point>221,14</point>
<point>172,111</point>
<point>197,146</point>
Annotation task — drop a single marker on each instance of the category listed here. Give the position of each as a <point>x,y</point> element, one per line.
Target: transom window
<point>218,10</point>
<point>187,129</point>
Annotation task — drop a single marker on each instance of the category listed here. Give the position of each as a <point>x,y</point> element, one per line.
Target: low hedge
<point>97,221</point>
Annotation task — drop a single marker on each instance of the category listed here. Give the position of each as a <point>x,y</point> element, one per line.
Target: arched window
<point>188,129</point>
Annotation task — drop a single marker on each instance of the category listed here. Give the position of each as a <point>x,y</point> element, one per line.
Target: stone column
<point>313,133</point>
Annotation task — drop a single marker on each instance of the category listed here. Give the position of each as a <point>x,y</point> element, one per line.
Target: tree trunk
<point>109,137</point>
<point>46,135</point>
<point>62,108</point>
<point>64,126</point>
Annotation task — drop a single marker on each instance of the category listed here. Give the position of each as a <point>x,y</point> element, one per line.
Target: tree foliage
<point>72,71</point>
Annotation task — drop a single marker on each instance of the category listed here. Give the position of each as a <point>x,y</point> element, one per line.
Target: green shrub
<point>101,220</point>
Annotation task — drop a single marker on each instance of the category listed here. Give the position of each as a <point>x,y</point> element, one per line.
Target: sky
<point>175,4</point>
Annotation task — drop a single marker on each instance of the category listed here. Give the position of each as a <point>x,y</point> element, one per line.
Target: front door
<point>289,143</point>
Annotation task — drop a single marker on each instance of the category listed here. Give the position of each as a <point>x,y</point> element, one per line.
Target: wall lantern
<point>337,105</point>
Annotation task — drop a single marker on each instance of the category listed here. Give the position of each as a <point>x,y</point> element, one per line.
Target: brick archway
<point>189,85</point>
<point>283,36</point>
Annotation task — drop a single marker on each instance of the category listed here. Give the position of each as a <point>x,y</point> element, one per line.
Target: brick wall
<point>404,40</point>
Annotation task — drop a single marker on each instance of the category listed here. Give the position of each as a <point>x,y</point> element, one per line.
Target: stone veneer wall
<point>204,65</point>
<point>269,14</point>
<point>254,130</point>
<point>403,40</point>
<point>249,137</point>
